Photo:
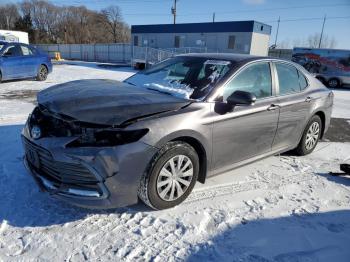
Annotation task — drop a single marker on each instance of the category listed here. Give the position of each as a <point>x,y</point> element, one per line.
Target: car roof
<point>240,58</point>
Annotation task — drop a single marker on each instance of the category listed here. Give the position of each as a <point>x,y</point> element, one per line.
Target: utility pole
<point>278,27</point>
<point>324,21</point>
<point>214,17</point>
<point>173,11</point>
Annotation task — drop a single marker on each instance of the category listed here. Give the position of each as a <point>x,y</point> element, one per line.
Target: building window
<point>136,40</point>
<point>177,41</point>
<point>231,42</point>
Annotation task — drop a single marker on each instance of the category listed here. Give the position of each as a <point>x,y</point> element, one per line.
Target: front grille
<point>55,171</point>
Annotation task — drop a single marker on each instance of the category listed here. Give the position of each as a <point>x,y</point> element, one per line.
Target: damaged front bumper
<point>106,177</point>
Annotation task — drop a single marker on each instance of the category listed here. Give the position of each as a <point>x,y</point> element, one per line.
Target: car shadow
<point>302,237</point>
<point>22,203</point>
<point>17,80</point>
<point>339,178</point>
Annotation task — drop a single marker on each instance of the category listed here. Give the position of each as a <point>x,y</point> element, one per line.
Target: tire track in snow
<point>265,181</point>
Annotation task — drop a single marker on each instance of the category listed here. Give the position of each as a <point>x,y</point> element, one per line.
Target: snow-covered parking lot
<point>283,208</point>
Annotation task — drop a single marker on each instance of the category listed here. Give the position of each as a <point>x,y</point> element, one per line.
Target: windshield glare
<point>185,77</point>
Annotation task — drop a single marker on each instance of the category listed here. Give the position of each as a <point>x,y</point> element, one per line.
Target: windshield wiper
<point>160,91</point>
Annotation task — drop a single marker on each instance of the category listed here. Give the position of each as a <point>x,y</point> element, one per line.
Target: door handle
<point>308,99</point>
<point>272,107</point>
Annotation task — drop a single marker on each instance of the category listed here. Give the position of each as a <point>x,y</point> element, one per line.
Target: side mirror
<point>241,98</point>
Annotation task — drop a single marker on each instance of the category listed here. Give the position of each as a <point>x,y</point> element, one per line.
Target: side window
<point>26,51</point>
<point>177,41</point>
<point>288,79</point>
<point>231,42</point>
<point>136,40</point>
<point>10,51</point>
<point>255,79</point>
<point>302,80</point>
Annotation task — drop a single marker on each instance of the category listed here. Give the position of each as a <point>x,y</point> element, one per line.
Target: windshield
<point>185,77</point>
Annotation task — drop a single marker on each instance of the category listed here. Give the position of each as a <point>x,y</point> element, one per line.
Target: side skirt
<point>247,161</point>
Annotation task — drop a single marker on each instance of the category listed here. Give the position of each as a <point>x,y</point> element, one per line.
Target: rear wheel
<point>311,135</point>
<point>171,176</point>
<point>42,73</point>
<point>333,83</point>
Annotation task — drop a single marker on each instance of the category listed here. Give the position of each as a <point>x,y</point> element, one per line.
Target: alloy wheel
<point>312,136</point>
<point>43,73</point>
<point>174,178</point>
<point>333,83</point>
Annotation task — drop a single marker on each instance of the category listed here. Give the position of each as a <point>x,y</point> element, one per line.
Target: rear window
<point>288,79</point>
<point>26,50</point>
<point>302,81</point>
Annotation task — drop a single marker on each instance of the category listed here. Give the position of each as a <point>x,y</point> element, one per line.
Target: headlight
<point>101,138</point>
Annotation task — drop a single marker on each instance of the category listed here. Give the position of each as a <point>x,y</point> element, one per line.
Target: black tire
<point>148,192</point>
<point>321,79</point>
<point>333,83</point>
<point>42,73</point>
<point>0,77</point>
<point>303,148</point>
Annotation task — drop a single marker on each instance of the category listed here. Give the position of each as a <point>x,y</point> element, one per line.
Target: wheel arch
<point>201,152</point>
<point>322,115</point>
<point>43,64</point>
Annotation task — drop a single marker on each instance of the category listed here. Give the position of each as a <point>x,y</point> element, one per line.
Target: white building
<point>247,37</point>
<point>14,36</point>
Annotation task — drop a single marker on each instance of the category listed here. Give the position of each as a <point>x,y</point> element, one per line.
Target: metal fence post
<point>146,57</point>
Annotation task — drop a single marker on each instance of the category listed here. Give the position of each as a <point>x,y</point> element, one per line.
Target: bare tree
<point>48,23</point>
<point>314,40</point>
<point>8,16</point>
<point>111,17</point>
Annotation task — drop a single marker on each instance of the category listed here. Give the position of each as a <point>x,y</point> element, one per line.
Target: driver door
<point>11,62</point>
<point>242,132</point>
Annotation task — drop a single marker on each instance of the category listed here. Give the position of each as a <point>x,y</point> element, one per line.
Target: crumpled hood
<point>106,102</point>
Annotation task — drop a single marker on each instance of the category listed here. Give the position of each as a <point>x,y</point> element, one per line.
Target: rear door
<point>243,132</point>
<point>30,61</point>
<point>295,104</point>
<point>11,62</point>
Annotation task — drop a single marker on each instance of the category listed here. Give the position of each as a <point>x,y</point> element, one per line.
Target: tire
<point>153,184</point>
<point>42,73</point>
<point>310,137</point>
<point>333,83</point>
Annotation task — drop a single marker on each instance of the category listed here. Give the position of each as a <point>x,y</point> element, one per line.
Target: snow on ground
<point>283,208</point>
<point>14,108</point>
<point>341,107</point>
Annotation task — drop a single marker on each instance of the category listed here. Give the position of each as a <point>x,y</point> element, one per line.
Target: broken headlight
<point>105,138</point>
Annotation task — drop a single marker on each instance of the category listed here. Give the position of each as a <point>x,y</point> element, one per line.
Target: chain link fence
<point>128,54</point>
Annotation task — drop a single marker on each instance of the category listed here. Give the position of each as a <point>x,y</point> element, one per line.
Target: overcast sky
<point>306,15</point>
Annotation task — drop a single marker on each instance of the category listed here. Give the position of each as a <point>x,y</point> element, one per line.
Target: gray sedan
<point>106,144</point>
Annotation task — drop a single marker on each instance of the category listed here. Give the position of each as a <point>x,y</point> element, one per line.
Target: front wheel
<point>311,135</point>
<point>170,177</point>
<point>333,83</point>
<point>42,73</point>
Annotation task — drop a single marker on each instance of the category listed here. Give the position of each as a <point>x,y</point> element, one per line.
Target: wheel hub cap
<point>174,178</point>
<point>312,136</point>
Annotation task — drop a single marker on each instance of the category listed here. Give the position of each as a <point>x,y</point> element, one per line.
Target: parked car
<point>331,66</point>
<point>104,144</point>
<point>18,61</point>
